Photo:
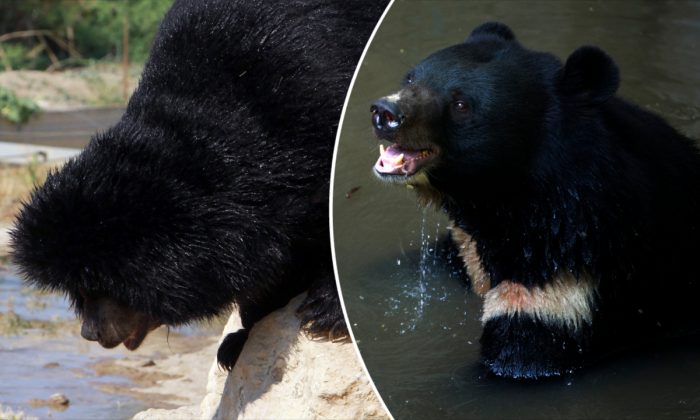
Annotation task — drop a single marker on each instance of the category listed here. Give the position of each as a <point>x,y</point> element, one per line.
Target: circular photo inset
<point>515,209</point>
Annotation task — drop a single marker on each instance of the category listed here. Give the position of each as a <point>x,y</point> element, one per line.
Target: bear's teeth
<point>381,149</point>
<point>398,160</point>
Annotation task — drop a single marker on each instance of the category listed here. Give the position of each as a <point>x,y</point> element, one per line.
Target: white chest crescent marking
<point>565,300</point>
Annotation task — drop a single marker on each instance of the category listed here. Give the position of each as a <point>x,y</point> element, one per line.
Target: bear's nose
<point>385,115</point>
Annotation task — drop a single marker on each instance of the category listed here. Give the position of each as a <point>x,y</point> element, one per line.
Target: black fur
<point>231,348</point>
<point>524,347</point>
<point>551,173</point>
<point>212,189</point>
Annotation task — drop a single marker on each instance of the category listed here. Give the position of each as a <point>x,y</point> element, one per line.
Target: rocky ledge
<point>282,373</point>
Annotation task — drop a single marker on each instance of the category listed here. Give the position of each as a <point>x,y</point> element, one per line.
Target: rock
<point>282,373</point>
<point>51,365</point>
<point>187,412</point>
<point>58,400</point>
<point>217,376</point>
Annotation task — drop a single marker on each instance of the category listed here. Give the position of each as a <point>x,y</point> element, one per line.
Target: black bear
<point>212,189</point>
<point>575,212</point>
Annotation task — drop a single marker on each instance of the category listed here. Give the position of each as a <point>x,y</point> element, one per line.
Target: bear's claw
<point>321,314</point>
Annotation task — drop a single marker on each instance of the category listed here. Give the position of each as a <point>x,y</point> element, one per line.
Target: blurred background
<point>67,70</point>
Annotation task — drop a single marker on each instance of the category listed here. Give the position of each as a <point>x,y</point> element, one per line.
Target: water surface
<point>48,356</point>
<point>25,353</point>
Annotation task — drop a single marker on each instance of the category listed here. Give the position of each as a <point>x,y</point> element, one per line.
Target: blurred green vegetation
<point>73,32</point>
<point>14,109</point>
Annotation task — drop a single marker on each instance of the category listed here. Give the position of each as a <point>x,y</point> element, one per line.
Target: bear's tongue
<point>395,160</point>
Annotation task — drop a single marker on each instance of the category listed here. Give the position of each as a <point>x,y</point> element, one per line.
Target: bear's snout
<point>386,116</point>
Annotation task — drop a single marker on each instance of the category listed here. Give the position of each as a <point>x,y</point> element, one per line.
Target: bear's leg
<point>321,313</point>
<point>539,331</point>
<point>521,346</point>
<point>310,268</point>
<point>232,346</point>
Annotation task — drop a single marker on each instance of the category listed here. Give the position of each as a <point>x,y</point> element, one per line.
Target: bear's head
<point>480,112</point>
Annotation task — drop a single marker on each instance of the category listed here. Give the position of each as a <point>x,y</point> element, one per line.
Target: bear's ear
<point>589,75</point>
<point>492,30</point>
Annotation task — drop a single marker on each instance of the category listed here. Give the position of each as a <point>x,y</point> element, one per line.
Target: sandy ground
<point>163,379</point>
<point>16,184</point>
<point>97,85</point>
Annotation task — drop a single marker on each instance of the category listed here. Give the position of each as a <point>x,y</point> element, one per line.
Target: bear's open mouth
<point>139,333</point>
<point>399,160</point>
<point>136,337</point>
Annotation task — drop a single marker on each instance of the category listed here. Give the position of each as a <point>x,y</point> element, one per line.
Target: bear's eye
<point>460,110</point>
<point>461,106</point>
<point>409,79</point>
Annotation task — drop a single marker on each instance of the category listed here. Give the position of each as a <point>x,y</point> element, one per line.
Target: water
<point>26,356</point>
<point>416,325</point>
<point>418,282</point>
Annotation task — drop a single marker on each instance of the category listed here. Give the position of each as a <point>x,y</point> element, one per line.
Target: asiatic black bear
<point>212,189</point>
<point>576,213</point>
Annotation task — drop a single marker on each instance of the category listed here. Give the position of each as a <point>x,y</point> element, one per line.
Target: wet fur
<point>212,189</point>
<point>580,208</point>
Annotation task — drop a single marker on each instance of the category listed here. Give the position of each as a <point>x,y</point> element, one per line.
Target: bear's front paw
<point>521,346</point>
<point>231,348</point>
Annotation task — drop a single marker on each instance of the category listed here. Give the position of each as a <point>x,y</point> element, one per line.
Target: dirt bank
<point>93,86</point>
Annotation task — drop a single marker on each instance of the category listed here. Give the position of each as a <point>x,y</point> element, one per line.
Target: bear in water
<point>575,212</point>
